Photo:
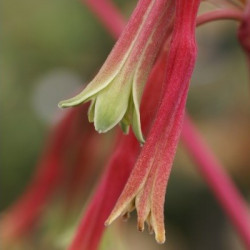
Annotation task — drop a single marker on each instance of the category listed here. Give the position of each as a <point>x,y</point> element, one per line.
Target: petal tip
<point>140,226</point>
<point>101,129</point>
<point>107,223</point>
<point>160,237</point>
<point>61,105</point>
<point>110,219</point>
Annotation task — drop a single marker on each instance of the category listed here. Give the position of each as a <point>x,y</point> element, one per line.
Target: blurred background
<point>50,48</point>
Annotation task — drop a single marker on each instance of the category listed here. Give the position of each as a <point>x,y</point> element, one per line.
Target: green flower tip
<point>110,106</point>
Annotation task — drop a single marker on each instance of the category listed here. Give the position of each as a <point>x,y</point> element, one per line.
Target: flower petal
<point>128,70</point>
<point>148,180</point>
<point>111,105</point>
<point>116,59</point>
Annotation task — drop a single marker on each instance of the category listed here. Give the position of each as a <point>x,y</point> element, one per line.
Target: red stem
<point>217,179</point>
<point>108,14</point>
<point>219,15</point>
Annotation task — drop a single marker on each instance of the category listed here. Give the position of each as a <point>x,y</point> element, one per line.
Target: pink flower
<point>119,167</point>
<point>146,185</point>
<point>145,189</point>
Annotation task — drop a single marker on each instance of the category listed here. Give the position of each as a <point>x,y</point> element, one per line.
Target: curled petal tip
<point>74,101</point>
<point>160,237</point>
<point>110,219</point>
<point>61,105</point>
<point>140,226</point>
<point>106,223</point>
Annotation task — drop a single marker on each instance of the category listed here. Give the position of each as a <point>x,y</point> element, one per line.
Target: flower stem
<point>218,180</point>
<point>109,16</point>
<point>219,15</point>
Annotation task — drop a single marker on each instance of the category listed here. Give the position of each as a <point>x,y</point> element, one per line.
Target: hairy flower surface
<point>116,91</point>
<point>146,186</point>
<point>119,166</point>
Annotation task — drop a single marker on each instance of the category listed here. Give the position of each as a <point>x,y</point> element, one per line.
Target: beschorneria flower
<point>116,92</point>
<point>146,186</point>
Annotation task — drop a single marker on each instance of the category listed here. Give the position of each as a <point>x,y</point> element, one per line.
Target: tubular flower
<point>146,186</point>
<point>119,167</point>
<point>115,93</point>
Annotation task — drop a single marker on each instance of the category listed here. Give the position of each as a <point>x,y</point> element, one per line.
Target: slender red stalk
<point>244,32</point>
<point>25,212</point>
<point>217,179</point>
<point>108,14</point>
<point>230,14</point>
<point>219,182</point>
<point>56,170</point>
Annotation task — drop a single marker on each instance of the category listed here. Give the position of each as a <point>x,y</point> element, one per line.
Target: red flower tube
<point>146,186</point>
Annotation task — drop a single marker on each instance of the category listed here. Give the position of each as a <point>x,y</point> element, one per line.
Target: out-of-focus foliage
<point>38,38</point>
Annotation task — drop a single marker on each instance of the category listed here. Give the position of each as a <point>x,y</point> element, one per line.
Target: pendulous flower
<point>115,93</point>
<point>146,186</point>
<point>119,167</point>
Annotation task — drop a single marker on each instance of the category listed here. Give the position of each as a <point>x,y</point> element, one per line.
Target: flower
<point>119,167</point>
<point>115,92</point>
<point>146,186</point>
